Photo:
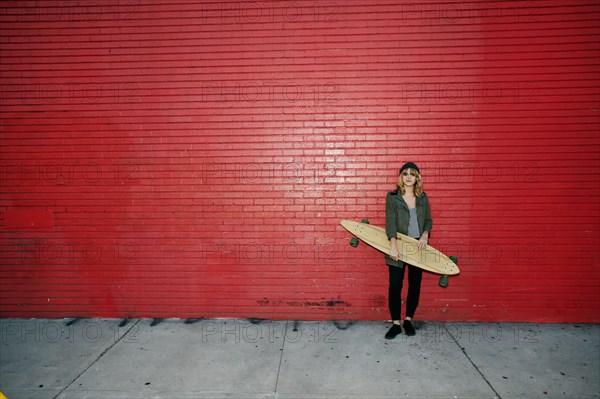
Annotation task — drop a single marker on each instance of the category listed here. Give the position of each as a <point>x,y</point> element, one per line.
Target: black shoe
<point>395,330</point>
<point>408,328</point>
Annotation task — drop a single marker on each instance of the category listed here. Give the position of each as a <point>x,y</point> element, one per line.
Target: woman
<point>407,212</point>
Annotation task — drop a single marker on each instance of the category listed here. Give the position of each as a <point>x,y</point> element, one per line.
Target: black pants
<point>415,275</point>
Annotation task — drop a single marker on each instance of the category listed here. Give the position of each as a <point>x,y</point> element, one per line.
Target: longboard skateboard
<point>429,259</point>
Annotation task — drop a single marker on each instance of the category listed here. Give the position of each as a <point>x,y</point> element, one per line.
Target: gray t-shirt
<point>413,224</point>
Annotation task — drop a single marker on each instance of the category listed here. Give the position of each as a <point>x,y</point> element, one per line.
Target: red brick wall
<point>188,159</point>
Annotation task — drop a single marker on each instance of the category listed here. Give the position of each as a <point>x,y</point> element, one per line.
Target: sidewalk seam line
<point>95,360</point>
<point>473,363</point>
<point>281,357</point>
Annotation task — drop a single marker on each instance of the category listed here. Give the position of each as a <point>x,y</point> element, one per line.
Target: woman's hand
<point>423,241</point>
<point>394,254</point>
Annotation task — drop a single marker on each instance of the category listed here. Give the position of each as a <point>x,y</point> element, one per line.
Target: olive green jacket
<point>397,217</point>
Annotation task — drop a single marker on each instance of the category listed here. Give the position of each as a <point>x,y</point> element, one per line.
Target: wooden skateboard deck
<point>429,259</point>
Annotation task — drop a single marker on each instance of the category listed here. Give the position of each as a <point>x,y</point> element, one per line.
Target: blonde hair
<point>418,187</point>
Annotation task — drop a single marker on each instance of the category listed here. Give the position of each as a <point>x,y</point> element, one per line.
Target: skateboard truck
<point>444,279</point>
<point>354,241</point>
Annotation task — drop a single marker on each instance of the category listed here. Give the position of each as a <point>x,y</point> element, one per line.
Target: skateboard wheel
<point>354,242</point>
<point>443,281</point>
<point>365,221</point>
<point>454,259</point>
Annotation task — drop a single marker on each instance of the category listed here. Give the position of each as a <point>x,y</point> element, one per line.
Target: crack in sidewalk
<point>96,360</point>
<point>281,358</point>
<point>472,363</point>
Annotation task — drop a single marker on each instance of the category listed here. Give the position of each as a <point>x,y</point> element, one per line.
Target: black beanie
<point>409,165</point>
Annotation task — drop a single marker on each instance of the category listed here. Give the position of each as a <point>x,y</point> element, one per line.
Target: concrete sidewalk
<point>173,358</point>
